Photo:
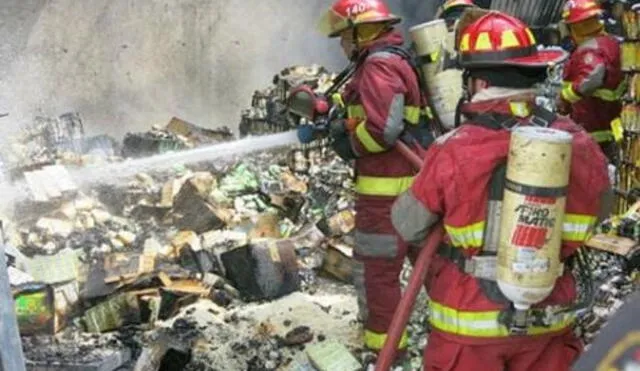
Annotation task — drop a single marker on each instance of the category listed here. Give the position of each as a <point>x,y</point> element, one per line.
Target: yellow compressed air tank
<point>434,44</point>
<point>536,183</point>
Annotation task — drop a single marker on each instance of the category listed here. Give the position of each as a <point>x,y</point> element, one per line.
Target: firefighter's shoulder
<point>452,136</point>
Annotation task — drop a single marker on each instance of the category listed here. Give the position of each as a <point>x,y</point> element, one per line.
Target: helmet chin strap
<point>355,52</point>
<point>466,97</point>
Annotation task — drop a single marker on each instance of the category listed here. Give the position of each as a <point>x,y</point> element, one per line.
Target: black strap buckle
<point>518,321</point>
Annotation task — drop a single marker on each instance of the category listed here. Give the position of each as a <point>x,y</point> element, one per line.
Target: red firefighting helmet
<point>497,39</point>
<point>580,10</point>
<point>345,14</point>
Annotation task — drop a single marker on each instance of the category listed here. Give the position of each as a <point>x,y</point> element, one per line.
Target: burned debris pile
<point>240,264</point>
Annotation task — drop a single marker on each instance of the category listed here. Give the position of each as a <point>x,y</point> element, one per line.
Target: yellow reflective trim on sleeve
<point>367,140</point>
<point>356,111</point>
<point>382,186</point>
<point>611,95</point>
<point>617,129</point>
<point>577,227</point>
<point>568,93</point>
<point>375,341</point>
<point>412,114</point>
<point>336,98</point>
<point>485,323</point>
<point>467,237</point>
<point>428,112</point>
<point>519,109</point>
<point>602,136</point>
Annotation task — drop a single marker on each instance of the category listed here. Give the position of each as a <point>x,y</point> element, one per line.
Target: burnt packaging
<point>117,311</point>
<point>35,308</point>
<point>192,212</point>
<point>266,269</point>
<point>44,309</point>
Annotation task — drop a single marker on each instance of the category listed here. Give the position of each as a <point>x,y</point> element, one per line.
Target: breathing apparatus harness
<point>421,135</point>
<point>483,265</point>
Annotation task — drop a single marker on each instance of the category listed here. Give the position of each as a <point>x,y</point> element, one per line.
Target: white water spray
<point>14,192</point>
<point>165,161</point>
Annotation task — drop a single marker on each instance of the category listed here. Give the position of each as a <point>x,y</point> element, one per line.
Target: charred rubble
<point>241,264</point>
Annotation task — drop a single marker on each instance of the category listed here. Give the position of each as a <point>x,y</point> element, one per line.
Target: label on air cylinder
<point>530,235</point>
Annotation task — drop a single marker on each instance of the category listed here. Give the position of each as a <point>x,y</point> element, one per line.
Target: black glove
<point>337,128</point>
<point>340,142</point>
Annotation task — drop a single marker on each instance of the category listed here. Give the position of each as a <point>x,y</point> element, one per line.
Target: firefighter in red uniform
<point>461,183</point>
<point>383,101</point>
<point>593,80</point>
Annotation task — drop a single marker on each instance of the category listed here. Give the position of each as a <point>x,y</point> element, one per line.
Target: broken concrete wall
<point>127,64</point>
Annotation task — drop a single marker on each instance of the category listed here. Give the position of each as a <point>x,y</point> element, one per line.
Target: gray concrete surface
<point>129,64</point>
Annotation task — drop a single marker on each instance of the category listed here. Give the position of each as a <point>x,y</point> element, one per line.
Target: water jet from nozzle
<point>128,168</point>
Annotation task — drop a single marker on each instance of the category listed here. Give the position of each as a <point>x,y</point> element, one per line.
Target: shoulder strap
<point>541,116</point>
<point>422,85</point>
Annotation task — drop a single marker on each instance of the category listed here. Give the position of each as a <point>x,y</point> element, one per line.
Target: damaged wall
<point>127,64</point>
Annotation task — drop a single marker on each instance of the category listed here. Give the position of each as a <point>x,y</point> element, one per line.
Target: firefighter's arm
<point>415,211</point>
<point>587,77</point>
<point>382,94</point>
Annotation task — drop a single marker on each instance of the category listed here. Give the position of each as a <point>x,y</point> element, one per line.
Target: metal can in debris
<point>533,214</point>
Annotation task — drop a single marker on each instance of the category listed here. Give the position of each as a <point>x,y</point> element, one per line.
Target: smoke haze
<point>128,64</point>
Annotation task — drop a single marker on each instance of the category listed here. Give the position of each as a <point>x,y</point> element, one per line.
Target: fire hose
<point>416,281</point>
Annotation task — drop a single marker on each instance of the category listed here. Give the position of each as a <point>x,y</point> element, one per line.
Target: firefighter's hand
<point>341,127</point>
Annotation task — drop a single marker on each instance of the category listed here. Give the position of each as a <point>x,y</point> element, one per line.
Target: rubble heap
<point>235,265</point>
<point>267,113</point>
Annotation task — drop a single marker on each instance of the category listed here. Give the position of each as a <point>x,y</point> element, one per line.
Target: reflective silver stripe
<point>474,324</point>
<point>411,219</point>
<point>376,245</point>
<point>395,120</point>
<point>592,82</point>
<point>382,55</point>
<point>492,234</point>
<point>361,292</point>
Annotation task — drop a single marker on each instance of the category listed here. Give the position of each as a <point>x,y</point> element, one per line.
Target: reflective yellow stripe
<point>484,324</point>
<point>427,111</point>
<point>382,186</point>
<point>568,93</point>
<point>519,109</point>
<point>577,227</point>
<point>602,136</point>
<point>356,111</point>
<point>611,95</point>
<point>467,237</point>
<point>412,114</point>
<point>617,129</point>
<point>366,139</point>
<point>375,341</point>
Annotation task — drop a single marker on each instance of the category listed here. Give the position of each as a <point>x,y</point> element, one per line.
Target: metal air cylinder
<point>433,43</point>
<point>533,206</point>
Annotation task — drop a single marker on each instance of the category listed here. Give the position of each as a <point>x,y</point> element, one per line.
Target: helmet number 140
<point>356,9</point>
